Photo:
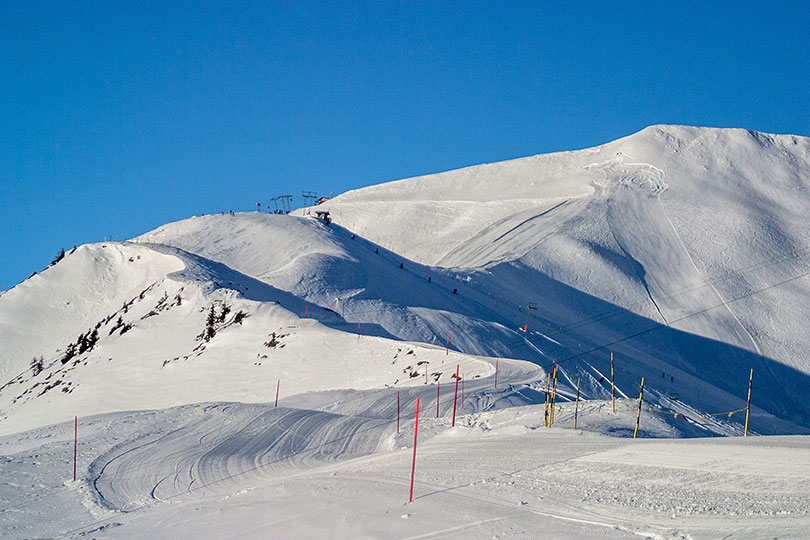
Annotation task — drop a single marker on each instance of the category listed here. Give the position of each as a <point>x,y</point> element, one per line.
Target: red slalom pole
<point>496,373</point>
<point>455,395</point>
<point>358,329</point>
<point>75,443</point>
<point>397,411</point>
<point>438,385</point>
<point>277,386</point>
<point>447,352</point>
<point>415,433</point>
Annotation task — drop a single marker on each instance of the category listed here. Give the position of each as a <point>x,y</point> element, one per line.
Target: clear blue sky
<point>116,117</point>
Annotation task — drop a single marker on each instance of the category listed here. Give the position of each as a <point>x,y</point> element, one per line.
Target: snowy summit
<point>256,375</point>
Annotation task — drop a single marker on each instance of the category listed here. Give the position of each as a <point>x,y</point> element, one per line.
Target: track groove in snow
<point>595,240</point>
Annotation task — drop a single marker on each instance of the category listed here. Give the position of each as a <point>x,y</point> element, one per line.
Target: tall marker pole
<point>278,384</point>
<point>397,411</point>
<point>413,463</point>
<point>612,385</point>
<point>576,405</point>
<point>462,390</point>
<point>638,416</point>
<point>553,398</point>
<point>426,378</point>
<point>546,404</point>
<point>455,395</point>
<point>447,351</point>
<point>75,444</point>
<point>748,405</point>
<point>496,373</point>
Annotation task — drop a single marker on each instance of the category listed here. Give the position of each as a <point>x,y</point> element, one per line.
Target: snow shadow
<point>579,331</point>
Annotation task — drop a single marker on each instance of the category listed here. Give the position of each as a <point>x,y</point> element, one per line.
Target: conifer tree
<point>210,330</point>
<point>37,365</point>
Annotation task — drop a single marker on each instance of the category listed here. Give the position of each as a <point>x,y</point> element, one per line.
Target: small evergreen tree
<point>92,339</point>
<point>70,352</point>
<point>118,324</point>
<point>59,257</point>
<point>224,313</point>
<point>210,330</point>
<point>82,343</point>
<point>37,365</point>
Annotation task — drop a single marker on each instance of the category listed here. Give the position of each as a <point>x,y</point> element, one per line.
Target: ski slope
<point>162,361</point>
<point>665,223</point>
<point>252,471</point>
<point>679,252</point>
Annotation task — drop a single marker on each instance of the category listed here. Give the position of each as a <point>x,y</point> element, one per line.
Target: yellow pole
<point>748,405</point>
<point>612,384</point>
<point>553,398</point>
<point>640,398</point>
<point>576,405</point>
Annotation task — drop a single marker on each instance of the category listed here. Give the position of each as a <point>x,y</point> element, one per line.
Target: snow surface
<point>681,250</point>
<point>665,223</point>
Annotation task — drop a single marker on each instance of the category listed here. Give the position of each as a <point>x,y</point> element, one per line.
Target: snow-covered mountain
<point>665,223</point>
<point>142,312</point>
<point>681,252</point>
<point>702,230</point>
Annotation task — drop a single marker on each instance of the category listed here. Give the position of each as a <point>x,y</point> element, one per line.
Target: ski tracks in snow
<point>640,185</point>
<point>254,443</point>
<point>223,447</point>
<point>709,282</point>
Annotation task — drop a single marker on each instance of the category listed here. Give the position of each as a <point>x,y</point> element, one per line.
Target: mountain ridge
<point>671,231</point>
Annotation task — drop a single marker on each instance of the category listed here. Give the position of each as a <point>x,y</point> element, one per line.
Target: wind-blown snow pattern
<point>681,251</point>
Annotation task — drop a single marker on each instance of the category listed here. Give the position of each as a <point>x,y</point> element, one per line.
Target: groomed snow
<point>251,471</point>
<point>682,251</point>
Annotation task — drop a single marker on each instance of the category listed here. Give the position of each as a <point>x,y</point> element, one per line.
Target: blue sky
<point>118,117</point>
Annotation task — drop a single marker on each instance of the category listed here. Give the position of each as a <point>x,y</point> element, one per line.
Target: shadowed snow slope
<point>141,313</point>
<point>666,222</point>
<point>681,253</point>
<point>703,230</point>
<point>683,250</point>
